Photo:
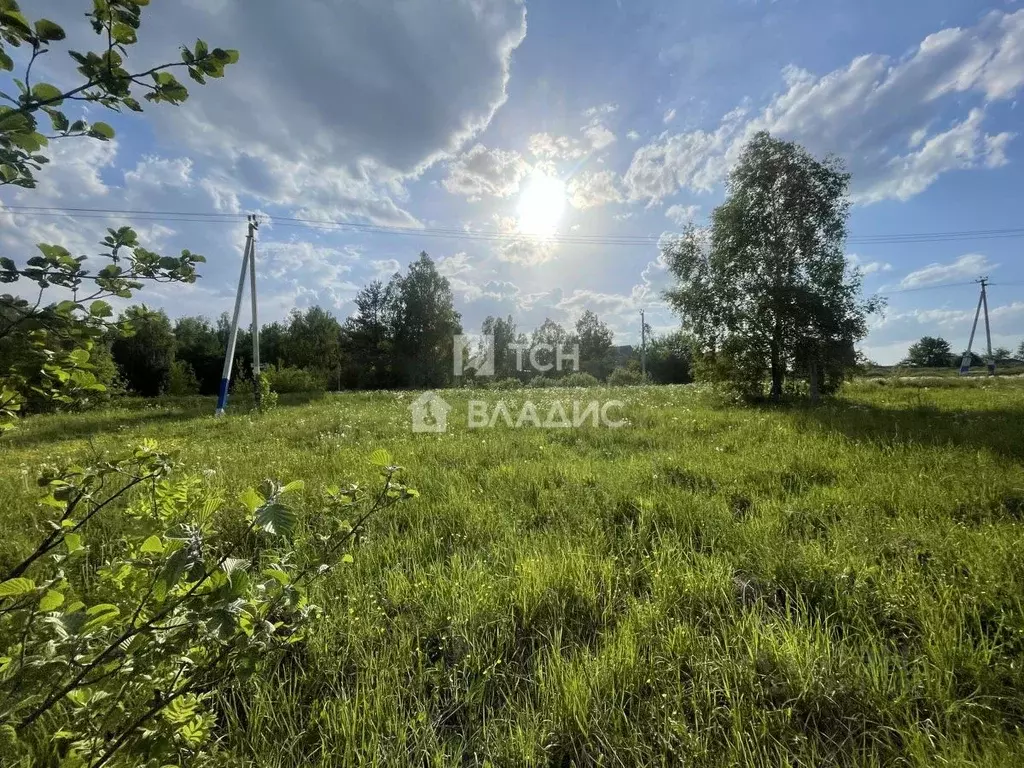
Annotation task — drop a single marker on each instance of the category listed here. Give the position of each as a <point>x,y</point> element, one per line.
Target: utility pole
<point>256,370</point>
<point>643,345</point>
<point>229,354</point>
<point>965,364</point>
<point>988,330</point>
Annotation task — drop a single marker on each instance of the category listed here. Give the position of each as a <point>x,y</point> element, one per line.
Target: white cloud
<point>546,146</point>
<point>963,146</point>
<point>384,269</point>
<point>601,109</point>
<point>869,267</point>
<point>482,171</point>
<point>669,116</point>
<point>495,290</point>
<point>314,273</point>
<point>333,104</point>
<point>223,197</point>
<point>456,264</point>
<point>967,266</point>
<point>590,190</point>
<point>633,136</point>
<point>865,112</point>
<point>527,251</point>
<point>682,215</point>
<point>598,135</point>
<point>156,171</point>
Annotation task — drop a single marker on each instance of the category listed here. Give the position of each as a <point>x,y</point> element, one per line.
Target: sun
<point>541,205</point>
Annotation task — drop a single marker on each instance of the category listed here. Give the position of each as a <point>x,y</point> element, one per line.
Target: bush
<point>181,380</point>
<point>284,379</point>
<point>541,382</point>
<point>580,379</point>
<point>114,645</point>
<point>508,383</point>
<point>623,377</point>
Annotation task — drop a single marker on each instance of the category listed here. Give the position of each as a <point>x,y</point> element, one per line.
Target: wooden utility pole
<point>253,226</point>
<point>248,255</point>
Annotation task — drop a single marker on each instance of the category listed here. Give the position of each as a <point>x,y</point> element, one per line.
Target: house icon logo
<point>429,413</point>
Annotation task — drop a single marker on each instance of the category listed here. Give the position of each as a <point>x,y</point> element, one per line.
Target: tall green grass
<point>708,585</point>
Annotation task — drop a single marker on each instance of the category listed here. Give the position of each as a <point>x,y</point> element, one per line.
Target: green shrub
<point>623,377</point>
<point>579,379</point>
<point>181,380</point>
<point>115,645</point>
<point>284,379</point>
<point>541,382</point>
<point>508,383</point>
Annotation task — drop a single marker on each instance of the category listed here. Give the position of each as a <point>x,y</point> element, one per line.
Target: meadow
<point>707,585</point>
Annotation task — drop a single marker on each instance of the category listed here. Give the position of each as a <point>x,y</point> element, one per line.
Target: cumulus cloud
<point>546,146</point>
<point>868,267</point>
<point>456,264</point>
<point>151,170</point>
<point>599,135</point>
<point>377,91</point>
<point>669,116</point>
<point>590,190</point>
<point>482,171</point>
<point>633,136</point>
<point>968,265</point>
<point>682,215</point>
<point>516,248</point>
<point>384,269</point>
<point>316,273</point>
<point>867,112</point>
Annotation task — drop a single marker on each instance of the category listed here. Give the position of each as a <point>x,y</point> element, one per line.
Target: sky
<point>514,141</point>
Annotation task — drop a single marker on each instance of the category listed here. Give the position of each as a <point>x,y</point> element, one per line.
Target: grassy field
<point>707,585</point>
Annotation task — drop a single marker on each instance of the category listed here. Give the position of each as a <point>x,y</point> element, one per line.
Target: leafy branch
<point>186,605</point>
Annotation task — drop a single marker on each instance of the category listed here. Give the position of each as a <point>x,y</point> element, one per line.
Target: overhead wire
<point>198,217</point>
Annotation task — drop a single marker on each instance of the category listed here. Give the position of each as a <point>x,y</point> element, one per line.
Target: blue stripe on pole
<point>222,395</point>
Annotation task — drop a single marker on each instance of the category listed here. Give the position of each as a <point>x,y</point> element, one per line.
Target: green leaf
<point>152,545</point>
<point>231,564</point>
<point>294,485</point>
<point>122,33</point>
<point>280,576</point>
<point>100,309</point>
<point>46,92</point>
<point>100,615</point>
<point>17,587</point>
<point>347,558</point>
<point>51,601</point>
<point>381,458</point>
<point>73,542</point>
<point>6,63</point>
<point>251,499</point>
<point>276,519</point>
<point>101,130</point>
<point>79,356</point>
<point>48,31</point>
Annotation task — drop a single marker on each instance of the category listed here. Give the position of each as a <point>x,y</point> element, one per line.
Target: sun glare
<point>541,204</point>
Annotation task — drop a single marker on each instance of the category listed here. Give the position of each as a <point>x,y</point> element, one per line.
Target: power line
<point>928,288</point>
<point>461,234</point>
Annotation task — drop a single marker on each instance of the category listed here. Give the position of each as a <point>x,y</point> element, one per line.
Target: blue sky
<point>451,116</point>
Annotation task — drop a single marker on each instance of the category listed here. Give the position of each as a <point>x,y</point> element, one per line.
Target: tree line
<point>399,337</point>
<point>936,352</point>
